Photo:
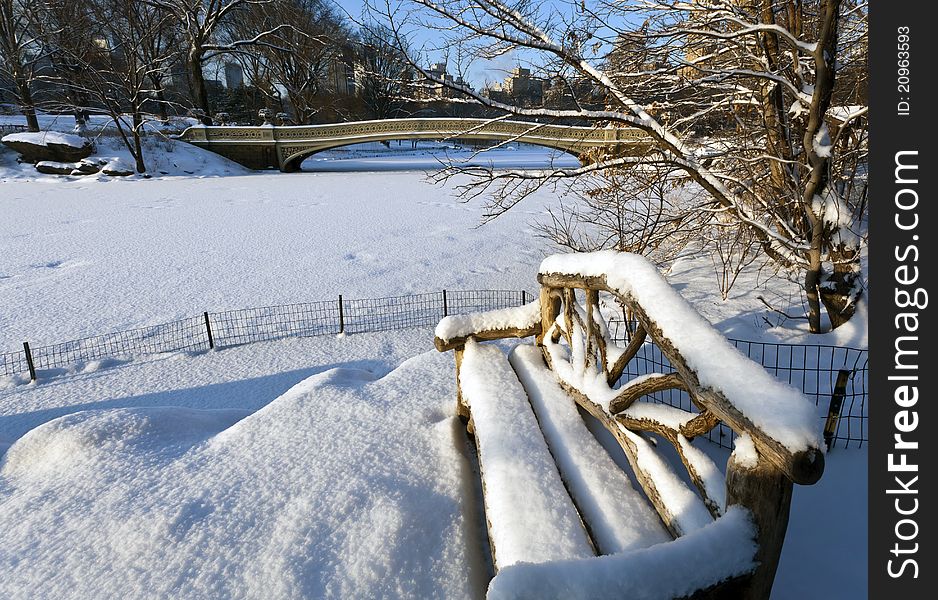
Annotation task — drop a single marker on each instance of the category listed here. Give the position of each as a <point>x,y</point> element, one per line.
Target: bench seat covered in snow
<point>564,519</point>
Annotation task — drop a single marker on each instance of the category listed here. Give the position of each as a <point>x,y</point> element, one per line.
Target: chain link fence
<point>834,377</point>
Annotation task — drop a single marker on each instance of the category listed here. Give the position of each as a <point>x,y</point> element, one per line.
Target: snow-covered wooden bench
<point>564,520</point>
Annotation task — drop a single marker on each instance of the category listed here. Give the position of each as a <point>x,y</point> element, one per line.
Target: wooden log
<point>765,490</point>
<point>699,425</point>
<point>462,409</point>
<point>550,302</point>
<point>589,332</point>
<point>485,335</point>
<point>569,300</point>
<point>597,331</point>
<point>803,467</point>
<point>656,382</point>
<point>638,338</point>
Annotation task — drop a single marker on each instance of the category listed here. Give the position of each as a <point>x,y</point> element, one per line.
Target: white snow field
<point>84,257</point>
<point>329,467</point>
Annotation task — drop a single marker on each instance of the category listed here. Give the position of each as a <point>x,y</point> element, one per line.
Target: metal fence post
<point>445,306</point>
<point>208,330</point>
<point>524,298</point>
<point>837,402</point>
<point>341,316</point>
<point>29,361</point>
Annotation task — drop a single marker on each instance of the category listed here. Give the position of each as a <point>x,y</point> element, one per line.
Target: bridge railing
<point>444,126</point>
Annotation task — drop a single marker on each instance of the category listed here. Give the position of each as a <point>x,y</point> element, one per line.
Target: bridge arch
<point>293,162</point>
<point>286,147</point>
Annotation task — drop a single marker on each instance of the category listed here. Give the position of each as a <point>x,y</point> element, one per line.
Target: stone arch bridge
<point>285,147</point>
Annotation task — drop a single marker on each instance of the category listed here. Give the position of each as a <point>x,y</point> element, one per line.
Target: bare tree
<point>734,96</point>
<point>117,74</point>
<point>200,23</point>
<point>304,52</point>
<point>386,72</point>
<point>65,30</point>
<point>644,217</point>
<point>19,54</point>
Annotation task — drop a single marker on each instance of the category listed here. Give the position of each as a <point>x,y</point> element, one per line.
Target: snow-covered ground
<point>86,256</point>
<point>211,475</point>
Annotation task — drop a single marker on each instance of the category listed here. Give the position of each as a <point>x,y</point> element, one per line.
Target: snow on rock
<point>618,515</point>
<point>48,146</point>
<point>44,138</point>
<point>532,519</point>
<point>52,167</point>
<point>719,551</point>
<point>778,409</point>
<point>519,317</point>
<point>117,166</point>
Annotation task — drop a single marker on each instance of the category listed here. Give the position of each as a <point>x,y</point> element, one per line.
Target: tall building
<point>437,73</point>
<point>234,76</point>
<point>518,88</point>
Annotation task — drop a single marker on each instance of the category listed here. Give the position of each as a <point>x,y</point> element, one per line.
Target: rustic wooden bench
<point>564,520</point>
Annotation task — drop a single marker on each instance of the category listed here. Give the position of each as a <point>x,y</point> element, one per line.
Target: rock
<point>50,167</point>
<point>88,167</point>
<point>116,167</point>
<point>116,171</point>
<point>49,146</point>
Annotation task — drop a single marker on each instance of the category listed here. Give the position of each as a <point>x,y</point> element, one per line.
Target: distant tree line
<point>136,60</point>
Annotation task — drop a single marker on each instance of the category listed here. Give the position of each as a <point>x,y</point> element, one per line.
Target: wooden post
<point>524,298</point>
<point>837,403</point>
<point>208,330</point>
<point>29,361</point>
<point>766,492</point>
<point>341,316</point>
<point>462,409</point>
<point>550,308</point>
<point>445,306</point>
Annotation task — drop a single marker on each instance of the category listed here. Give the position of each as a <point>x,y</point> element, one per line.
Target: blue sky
<point>478,73</point>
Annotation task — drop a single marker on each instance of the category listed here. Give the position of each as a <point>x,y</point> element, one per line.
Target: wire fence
<point>836,378</point>
<point>244,326</point>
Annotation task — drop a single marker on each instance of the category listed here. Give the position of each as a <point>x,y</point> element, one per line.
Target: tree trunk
<point>161,100</point>
<point>818,177</point>
<point>842,289</point>
<point>197,81</point>
<point>138,146</point>
<point>812,283</point>
<point>778,141</point>
<point>26,104</point>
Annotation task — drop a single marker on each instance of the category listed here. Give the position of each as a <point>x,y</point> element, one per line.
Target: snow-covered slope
<point>349,485</point>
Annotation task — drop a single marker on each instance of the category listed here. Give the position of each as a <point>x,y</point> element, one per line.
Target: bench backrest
<point>778,441</point>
